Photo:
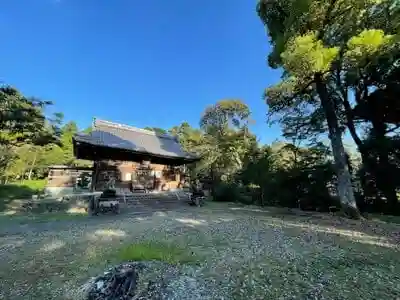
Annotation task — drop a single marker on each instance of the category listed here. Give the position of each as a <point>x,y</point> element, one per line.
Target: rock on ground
<point>145,280</point>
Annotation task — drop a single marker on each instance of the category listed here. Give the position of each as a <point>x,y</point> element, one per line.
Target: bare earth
<point>244,253</point>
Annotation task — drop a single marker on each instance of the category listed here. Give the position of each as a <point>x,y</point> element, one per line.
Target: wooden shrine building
<point>126,157</point>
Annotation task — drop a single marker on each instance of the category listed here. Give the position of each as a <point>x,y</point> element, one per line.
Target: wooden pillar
<point>94,175</point>
<point>92,209</point>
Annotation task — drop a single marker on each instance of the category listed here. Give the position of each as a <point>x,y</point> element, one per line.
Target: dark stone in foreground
<point>145,280</point>
<point>118,283</point>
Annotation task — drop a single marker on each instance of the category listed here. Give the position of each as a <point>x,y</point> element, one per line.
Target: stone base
<point>57,192</point>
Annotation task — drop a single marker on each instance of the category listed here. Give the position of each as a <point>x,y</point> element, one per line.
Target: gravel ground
<point>244,254</point>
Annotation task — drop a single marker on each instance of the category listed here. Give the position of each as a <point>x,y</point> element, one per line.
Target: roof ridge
<point>131,128</point>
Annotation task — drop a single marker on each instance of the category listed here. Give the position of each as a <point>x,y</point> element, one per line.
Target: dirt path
<point>245,253</point>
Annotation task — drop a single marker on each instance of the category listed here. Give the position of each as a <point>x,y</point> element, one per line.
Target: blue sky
<point>144,63</point>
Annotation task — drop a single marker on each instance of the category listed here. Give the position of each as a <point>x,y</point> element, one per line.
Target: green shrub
<point>226,192</point>
<point>233,192</point>
<point>304,187</point>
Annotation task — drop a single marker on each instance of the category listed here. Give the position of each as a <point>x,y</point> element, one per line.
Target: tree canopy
<point>329,51</point>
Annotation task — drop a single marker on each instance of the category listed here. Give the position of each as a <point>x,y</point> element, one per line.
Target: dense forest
<point>341,75</point>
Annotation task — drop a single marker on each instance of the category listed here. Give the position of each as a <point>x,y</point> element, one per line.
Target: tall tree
<point>190,138</point>
<point>310,39</point>
<point>67,132</point>
<point>257,169</point>
<point>23,122</point>
<point>226,136</point>
<point>375,82</point>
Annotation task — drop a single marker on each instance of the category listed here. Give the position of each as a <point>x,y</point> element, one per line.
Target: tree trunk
<point>94,176</point>
<point>93,205</point>
<point>345,188</point>
<point>22,179</point>
<point>386,185</point>
<point>32,165</point>
<point>262,196</point>
<point>5,170</point>
<point>365,157</point>
<point>384,175</point>
<point>380,168</point>
<point>213,183</point>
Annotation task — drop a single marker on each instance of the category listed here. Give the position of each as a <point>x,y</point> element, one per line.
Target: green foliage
<point>67,132</point>
<point>24,190</point>
<point>227,192</point>
<point>226,137</point>
<point>88,130</point>
<point>305,55</point>
<point>156,130</point>
<point>293,177</point>
<point>283,175</point>
<point>6,155</point>
<point>22,119</point>
<point>334,54</point>
<point>365,45</point>
<point>31,160</point>
<point>224,116</point>
<point>240,170</point>
<point>24,132</point>
<point>36,185</point>
<point>189,137</point>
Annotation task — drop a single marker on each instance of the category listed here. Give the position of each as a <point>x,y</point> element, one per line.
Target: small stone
<point>99,284</point>
<point>163,281</point>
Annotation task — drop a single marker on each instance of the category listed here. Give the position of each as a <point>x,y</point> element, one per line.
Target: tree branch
<point>393,129</point>
<point>327,17</point>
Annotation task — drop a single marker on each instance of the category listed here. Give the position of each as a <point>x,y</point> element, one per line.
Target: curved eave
<point>94,151</point>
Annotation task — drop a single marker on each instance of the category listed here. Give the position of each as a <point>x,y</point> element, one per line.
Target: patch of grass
<point>24,190</point>
<point>36,185</point>
<point>146,251</point>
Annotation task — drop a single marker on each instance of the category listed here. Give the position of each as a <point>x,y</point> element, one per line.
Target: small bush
<point>225,192</point>
<point>233,192</point>
<point>146,251</point>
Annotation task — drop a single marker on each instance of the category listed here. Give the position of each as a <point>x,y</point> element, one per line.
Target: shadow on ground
<point>10,192</point>
<point>261,254</point>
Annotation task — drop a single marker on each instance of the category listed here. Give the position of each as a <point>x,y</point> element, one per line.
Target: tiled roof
<point>114,135</point>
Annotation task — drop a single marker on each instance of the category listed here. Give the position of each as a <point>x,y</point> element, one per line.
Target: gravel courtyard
<point>239,252</point>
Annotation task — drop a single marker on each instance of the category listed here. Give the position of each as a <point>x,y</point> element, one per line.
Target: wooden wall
<point>64,177</point>
<point>123,172</point>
